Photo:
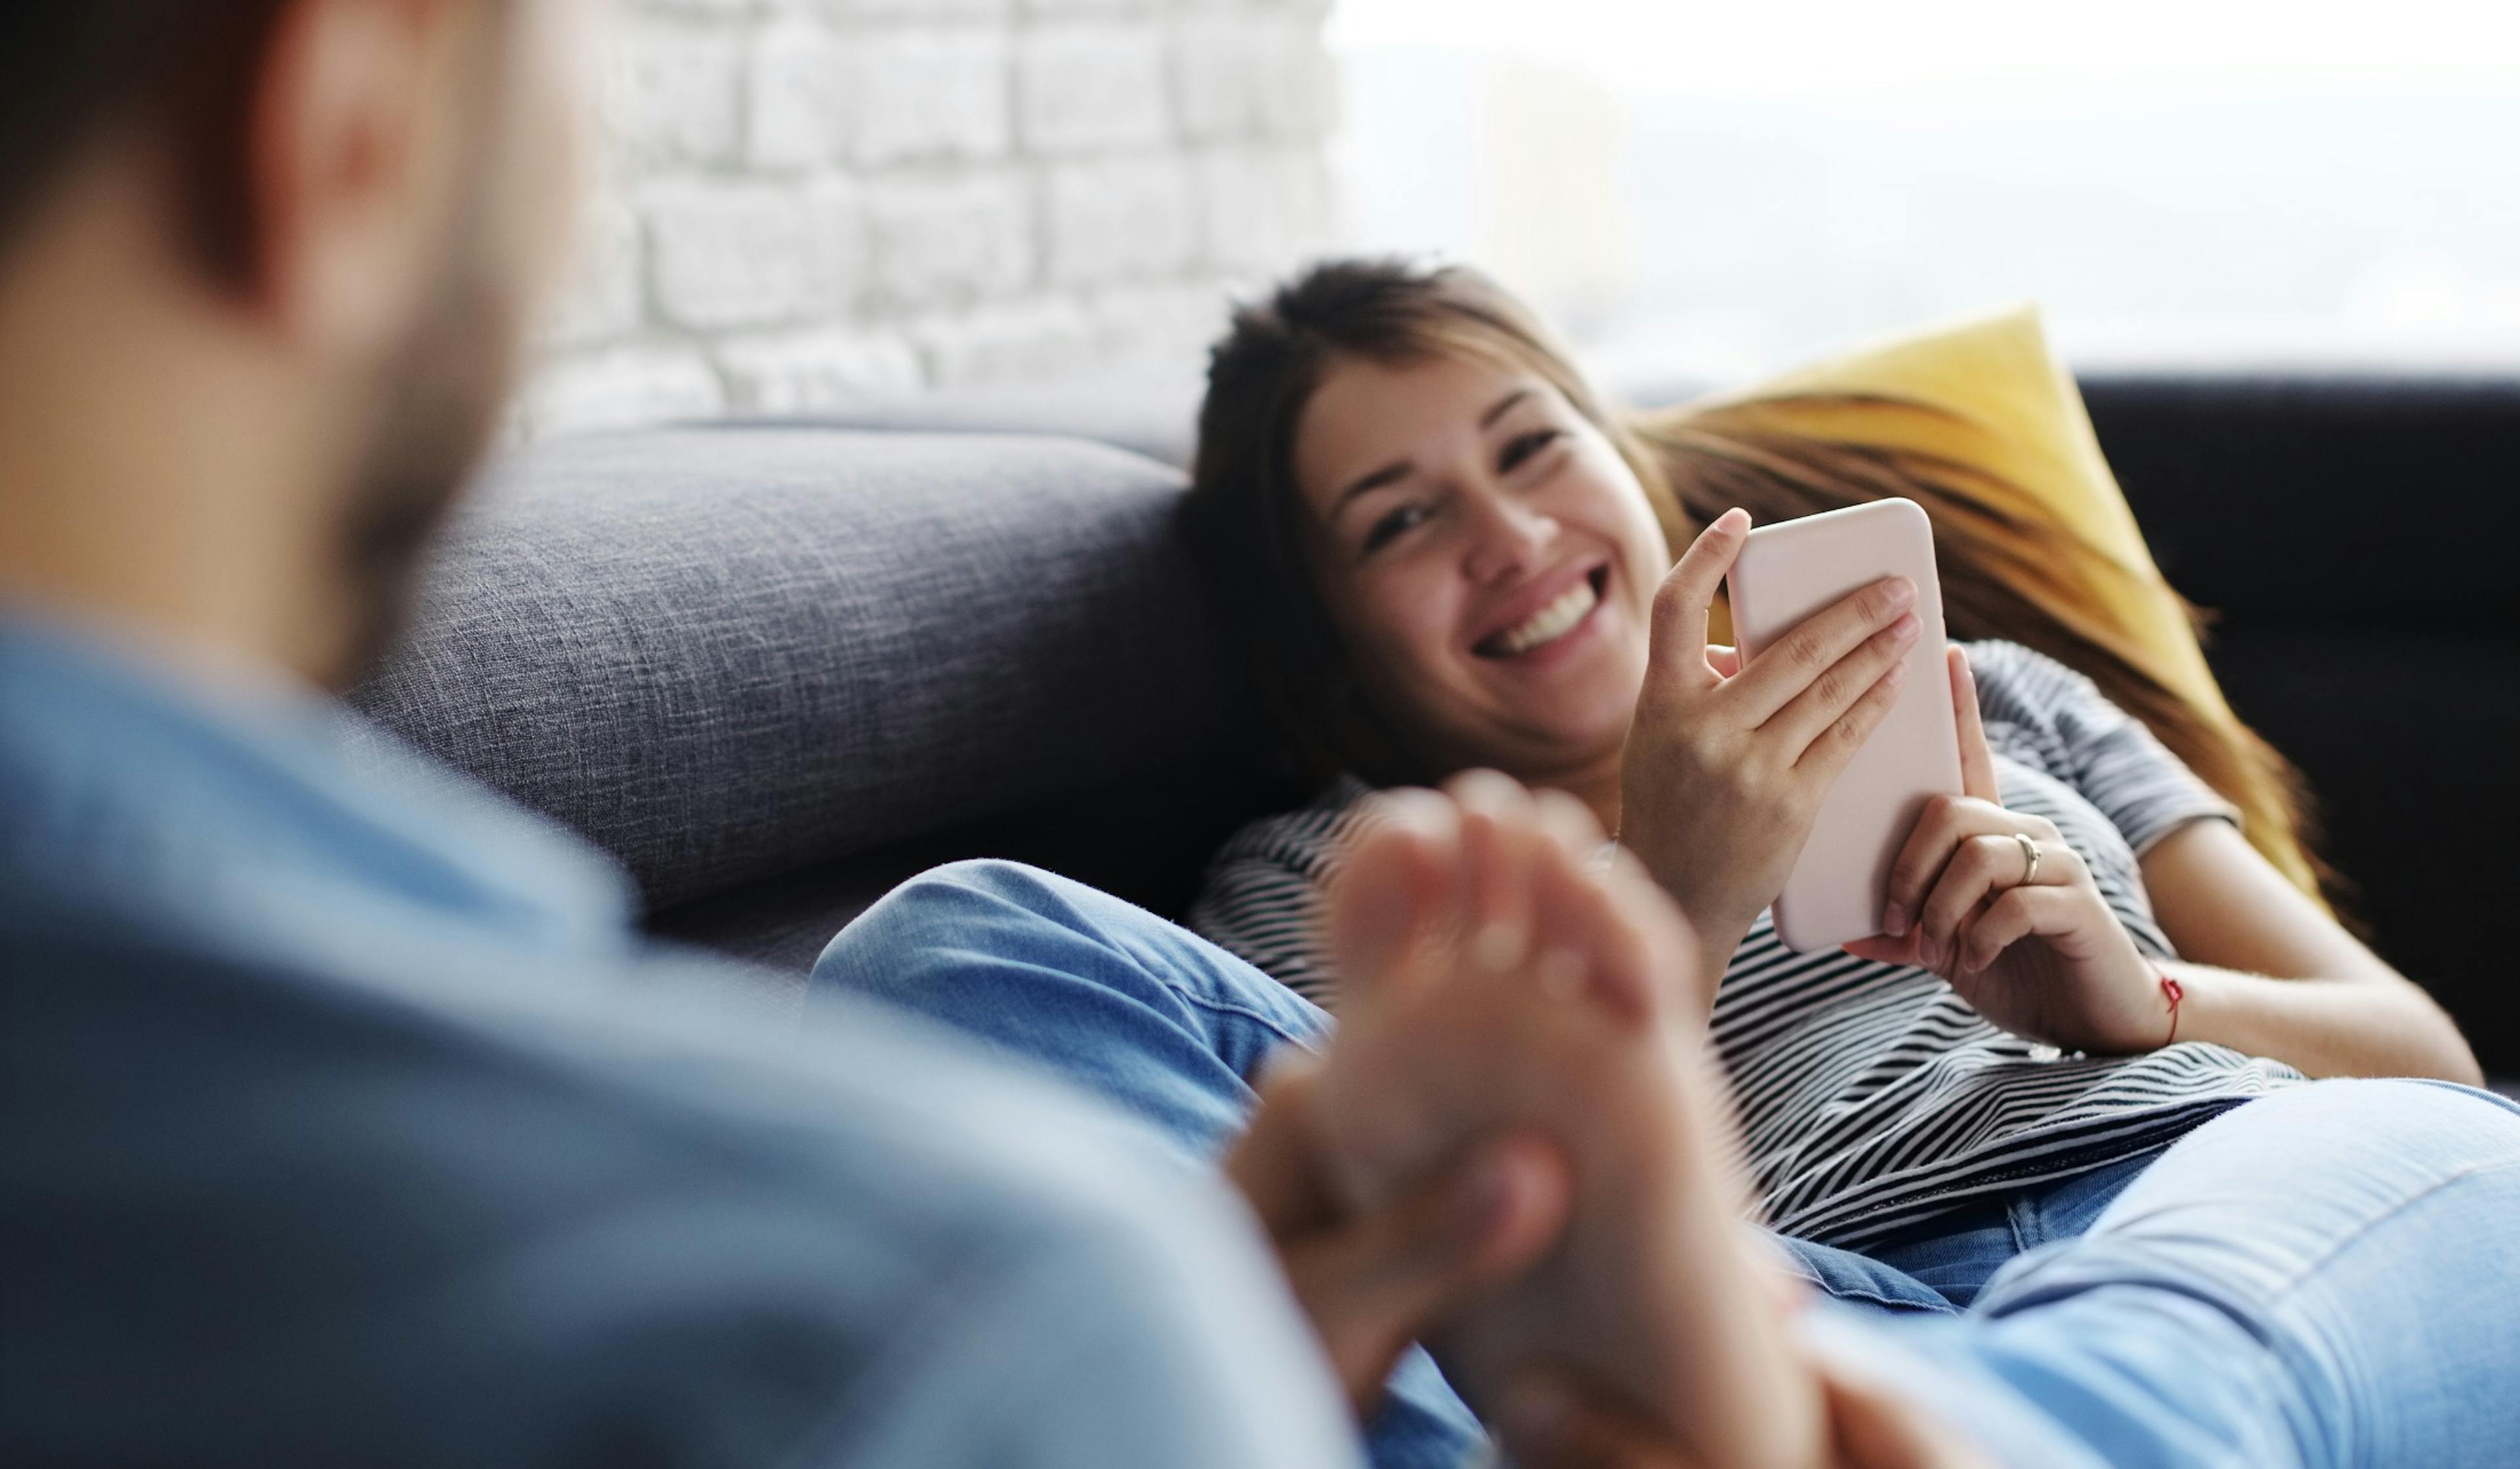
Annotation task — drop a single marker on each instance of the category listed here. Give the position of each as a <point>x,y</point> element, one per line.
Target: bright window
<point>1719,188</point>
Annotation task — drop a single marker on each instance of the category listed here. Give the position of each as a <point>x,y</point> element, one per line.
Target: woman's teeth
<point>1552,622</point>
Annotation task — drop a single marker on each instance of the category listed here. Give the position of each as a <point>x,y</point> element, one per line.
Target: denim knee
<point>883,950</point>
<point>931,902</point>
<point>988,912</point>
<point>1036,891</point>
<point>1061,976</point>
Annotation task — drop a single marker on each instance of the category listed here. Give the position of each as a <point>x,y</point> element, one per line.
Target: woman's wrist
<point>1706,911</point>
<point>2322,1026</point>
<point>1719,938</point>
<point>2220,1006</point>
<point>2216,1006</point>
<point>1715,953</point>
<point>1720,932</point>
<point>1718,935</point>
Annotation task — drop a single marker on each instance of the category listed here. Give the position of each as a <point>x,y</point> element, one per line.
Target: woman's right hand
<point>1726,768</point>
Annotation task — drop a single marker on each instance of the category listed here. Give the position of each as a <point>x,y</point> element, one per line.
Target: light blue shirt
<point>344,1117</point>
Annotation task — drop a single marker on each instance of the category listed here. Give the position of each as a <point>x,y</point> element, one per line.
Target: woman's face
<point>1488,557</point>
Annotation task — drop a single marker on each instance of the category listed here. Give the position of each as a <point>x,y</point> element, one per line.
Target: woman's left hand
<point>2028,941</point>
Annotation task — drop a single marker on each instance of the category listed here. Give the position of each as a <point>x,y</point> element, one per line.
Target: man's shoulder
<point>643,1062</point>
<point>597,1216</point>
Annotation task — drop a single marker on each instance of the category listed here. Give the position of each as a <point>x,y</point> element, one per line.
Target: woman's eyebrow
<point>1398,469</point>
<point>1504,406</point>
<point>1390,473</point>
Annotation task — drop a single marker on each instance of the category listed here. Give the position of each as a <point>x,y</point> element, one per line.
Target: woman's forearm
<point>2269,973</point>
<point>2323,1027</point>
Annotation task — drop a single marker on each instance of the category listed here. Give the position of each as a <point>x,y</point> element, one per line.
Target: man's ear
<point>354,154</point>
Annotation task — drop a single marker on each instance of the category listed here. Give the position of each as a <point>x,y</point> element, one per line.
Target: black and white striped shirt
<point>1871,1095</point>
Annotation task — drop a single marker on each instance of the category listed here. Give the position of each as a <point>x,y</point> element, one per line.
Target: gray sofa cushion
<point>725,655</point>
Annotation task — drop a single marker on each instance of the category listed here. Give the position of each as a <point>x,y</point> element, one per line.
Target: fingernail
<point>1930,952</point>
<point>1906,628</point>
<point>1903,592</point>
<point>1897,675</point>
<point>1894,921</point>
<point>1736,518</point>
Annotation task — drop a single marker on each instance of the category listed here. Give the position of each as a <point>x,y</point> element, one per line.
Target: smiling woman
<point>1491,555</point>
<point>1399,497</point>
<point>1443,551</point>
<point>1398,465</point>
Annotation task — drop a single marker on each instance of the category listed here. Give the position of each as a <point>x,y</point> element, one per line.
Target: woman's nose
<point>1507,537</point>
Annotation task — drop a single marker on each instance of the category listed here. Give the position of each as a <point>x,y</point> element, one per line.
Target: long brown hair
<point>2023,577</point>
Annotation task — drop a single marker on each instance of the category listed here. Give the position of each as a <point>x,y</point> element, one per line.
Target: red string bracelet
<point>2175,993</point>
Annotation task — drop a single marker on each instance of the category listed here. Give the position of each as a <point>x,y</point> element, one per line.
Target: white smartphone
<point>1785,573</point>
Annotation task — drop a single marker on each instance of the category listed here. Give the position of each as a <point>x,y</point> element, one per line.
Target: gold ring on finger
<point>2029,858</point>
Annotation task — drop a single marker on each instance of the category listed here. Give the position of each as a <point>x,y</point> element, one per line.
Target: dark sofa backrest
<point>2388,505</point>
<point>2356,542</point>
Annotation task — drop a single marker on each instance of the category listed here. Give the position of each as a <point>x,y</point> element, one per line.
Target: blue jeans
<point>1954,1255</point>
<point>1171,1028</point>
<point>2205,1310</point>
<point>2323,1277</point>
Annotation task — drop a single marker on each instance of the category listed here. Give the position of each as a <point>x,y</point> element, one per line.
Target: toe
<point>1394,892</point>
<point>1500,838</point>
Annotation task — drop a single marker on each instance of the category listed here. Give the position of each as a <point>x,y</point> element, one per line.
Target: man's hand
<point>1373,1284</point>
<point>1558,1421</point>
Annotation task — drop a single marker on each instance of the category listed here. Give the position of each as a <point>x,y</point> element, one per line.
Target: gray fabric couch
<point>775,668</point>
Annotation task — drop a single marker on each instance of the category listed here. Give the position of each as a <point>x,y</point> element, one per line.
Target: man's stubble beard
<point>441,400</point>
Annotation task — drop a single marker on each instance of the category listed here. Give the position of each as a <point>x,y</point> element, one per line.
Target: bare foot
<point>1493,982</point>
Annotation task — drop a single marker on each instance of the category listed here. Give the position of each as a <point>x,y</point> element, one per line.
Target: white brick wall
<point>807,202</point>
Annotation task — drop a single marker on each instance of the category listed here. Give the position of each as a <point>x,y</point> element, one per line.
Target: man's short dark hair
<point>74,71</point>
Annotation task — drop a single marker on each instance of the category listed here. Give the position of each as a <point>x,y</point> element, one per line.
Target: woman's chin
<point>1543,728</point>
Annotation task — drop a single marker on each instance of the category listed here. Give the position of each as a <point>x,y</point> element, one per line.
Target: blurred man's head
<point>264,269</point>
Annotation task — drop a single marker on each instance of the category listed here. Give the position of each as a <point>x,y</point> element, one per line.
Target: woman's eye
<point>1523,447</point>
<point>1391,525</point>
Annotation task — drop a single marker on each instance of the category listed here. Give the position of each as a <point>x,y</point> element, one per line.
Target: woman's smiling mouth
<point>1550,623</point>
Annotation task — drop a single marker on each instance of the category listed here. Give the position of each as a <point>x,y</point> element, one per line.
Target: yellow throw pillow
<point>2002,405</point>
